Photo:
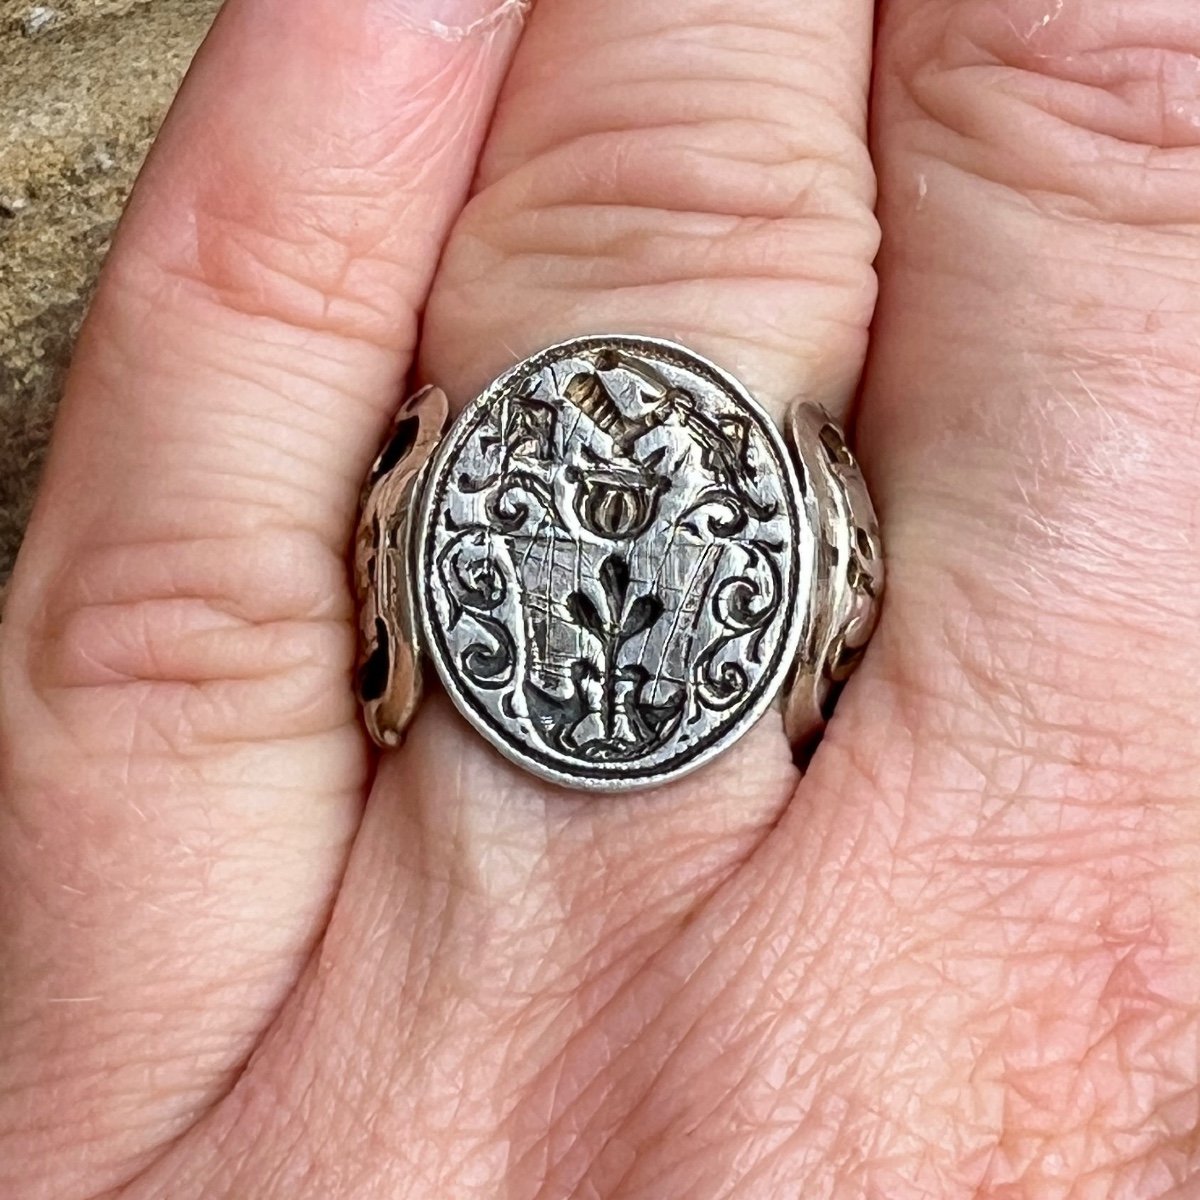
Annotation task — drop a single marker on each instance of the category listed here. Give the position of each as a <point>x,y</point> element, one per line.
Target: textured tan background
<point>83,86</point>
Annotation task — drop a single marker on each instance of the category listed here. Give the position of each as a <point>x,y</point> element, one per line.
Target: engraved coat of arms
<point>611,562</point>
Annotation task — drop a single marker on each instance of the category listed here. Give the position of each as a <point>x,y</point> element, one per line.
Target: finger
<point>1030,408</point>
<point>183,766</point>
<point>1029,422</point>
<point>691,175</point>
<point>674,169</point>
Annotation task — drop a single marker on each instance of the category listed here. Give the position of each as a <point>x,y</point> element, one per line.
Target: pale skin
<point>959,958</point>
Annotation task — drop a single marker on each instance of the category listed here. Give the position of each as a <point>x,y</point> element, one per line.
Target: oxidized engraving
<point>848,578</point>
<point>389,674</point>
<point>612,557</point>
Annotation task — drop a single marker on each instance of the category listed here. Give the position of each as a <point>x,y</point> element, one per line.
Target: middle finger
<point>668,170</point>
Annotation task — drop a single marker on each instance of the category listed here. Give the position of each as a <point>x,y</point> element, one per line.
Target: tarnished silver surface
<point>615,563</point>
<point>847,582</point>
<point>611,554</point>
<point>389,677</point>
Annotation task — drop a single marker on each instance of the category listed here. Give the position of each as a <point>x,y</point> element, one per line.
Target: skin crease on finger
<point>960,966</point>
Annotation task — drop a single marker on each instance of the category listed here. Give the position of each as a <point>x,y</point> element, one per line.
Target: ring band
<point>615,562</point>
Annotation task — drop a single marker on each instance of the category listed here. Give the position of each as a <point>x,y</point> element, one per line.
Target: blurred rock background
<point>83,87</point>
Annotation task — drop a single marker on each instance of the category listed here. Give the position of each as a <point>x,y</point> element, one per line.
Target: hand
<point>959,958</point>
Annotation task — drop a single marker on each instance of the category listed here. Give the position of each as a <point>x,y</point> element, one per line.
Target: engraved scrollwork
<point>519,478</point>
<point>743,604</point>
<point>725,452</point>
<point>477,586</point>
<point>511,506</point>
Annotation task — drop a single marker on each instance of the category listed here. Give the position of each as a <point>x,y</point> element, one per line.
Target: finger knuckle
<point>314,228</point>
<point>283,265</point>
<point>1086,106</point>
<point>711,196</point>
<point>191,644</point>
<point>760,186</point>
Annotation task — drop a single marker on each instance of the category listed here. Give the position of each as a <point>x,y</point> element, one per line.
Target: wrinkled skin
<point>958,959</point>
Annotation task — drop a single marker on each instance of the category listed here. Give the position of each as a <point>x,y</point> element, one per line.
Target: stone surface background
<point>83,87</point>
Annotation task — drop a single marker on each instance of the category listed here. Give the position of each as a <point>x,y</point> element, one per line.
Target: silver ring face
<point>613,560</point>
